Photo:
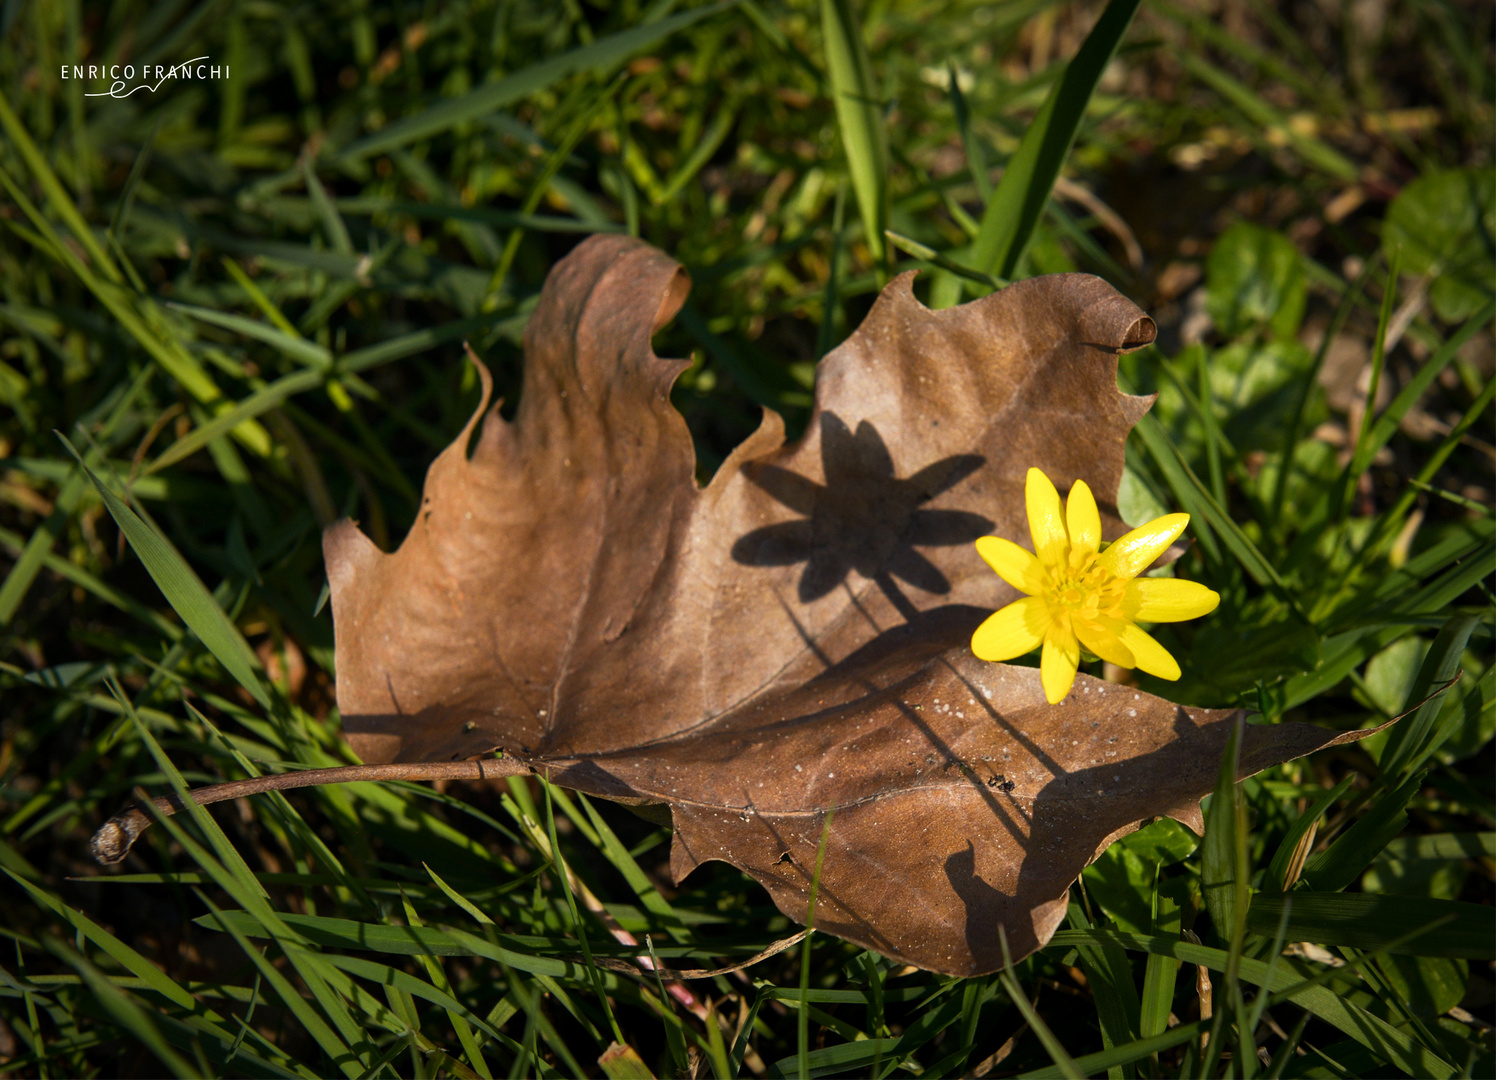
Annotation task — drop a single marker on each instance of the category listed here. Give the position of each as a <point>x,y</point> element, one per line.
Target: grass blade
<point>1342,862</point>
<point>1324,1002</point>
<point>1016,206</point>
<point>860,118</point>
<point>184,591</point>
<point>1368,921</point>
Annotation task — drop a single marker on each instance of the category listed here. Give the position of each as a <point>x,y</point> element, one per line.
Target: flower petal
<point>1150,655</point>
<point>1046,522</point>
<point>1082,519</point>
<point>1013,631</point>
<point>1168,600</point>
<point>1130,556</point>
<point>1058,663</point>
<point>1104,642</point>
<point>1017,567</point>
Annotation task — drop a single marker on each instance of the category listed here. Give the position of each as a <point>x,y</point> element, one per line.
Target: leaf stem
<point>117,835</point>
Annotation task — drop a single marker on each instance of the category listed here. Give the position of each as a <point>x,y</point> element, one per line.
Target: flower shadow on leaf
<point>863,518</point>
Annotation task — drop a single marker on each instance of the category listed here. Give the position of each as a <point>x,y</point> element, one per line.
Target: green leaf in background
<point>1254,278</point>
<point>1258,384</point>
<point>1430,985</point>
<point>1390,674</point>
<point>1408,744</point>
<point>859,116</point>
<point>1162,843</point>
<point>1445,224</point>
<point>1015,207</point>
<point>1121,879</point>
<point>184,591</point>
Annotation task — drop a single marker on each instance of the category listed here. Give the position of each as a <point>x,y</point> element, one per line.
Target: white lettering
<point>129,72</point>
<point>217,72</point>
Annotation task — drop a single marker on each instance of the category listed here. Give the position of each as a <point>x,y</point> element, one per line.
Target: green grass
<point>242,305</point>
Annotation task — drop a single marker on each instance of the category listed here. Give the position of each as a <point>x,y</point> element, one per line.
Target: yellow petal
<point>1046,522</point>
<point>1130,556</point>
<point>1013,631</point>
<point>1017,567</point>
<point>1168,600</point>
<point>1082,519</point>
<point>1058,663</point>
<point>1104,642</point>
<point>1150,655</point>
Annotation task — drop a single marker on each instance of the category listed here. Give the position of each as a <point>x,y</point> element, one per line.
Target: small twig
<point>117,835</point>
<point>625,968</point>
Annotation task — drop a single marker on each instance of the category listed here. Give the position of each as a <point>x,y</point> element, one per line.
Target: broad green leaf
<point>1406,743</point>
<point>1112,989</point>
<point>1430,985</point>
<point>1163,842</point>
<point>1444,223</point>
<point>1256,388</point>
<point>1254,278</point>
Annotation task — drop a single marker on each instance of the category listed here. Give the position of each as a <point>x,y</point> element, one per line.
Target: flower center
<point>1082,589</point>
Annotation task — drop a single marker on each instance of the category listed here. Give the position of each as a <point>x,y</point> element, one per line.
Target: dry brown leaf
<point>790,639</point>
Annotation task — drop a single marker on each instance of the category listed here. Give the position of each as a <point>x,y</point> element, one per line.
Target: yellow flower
<point>1080,595</point>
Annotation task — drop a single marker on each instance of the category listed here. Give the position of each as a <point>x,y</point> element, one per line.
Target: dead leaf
<point>790,639</point>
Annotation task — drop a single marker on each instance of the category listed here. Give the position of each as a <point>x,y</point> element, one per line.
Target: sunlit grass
<point>243,303</point>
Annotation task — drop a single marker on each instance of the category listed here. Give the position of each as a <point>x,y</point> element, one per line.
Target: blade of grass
<point>1359,458</point>
<point>702,153</point>
<point>126,1012</point>
<point>859,116</point>
<point>1015,207</point>
<point>1407,740</point>
<point>1280,872</point>
<point>1115,995</point>
<point>184,591</point>
<point>803,1018</point>
<point>1339,865</point>
<point>1161,972</point>
<point>1365,921</point>
<point>1064,1065</point>
<point>928,254</point>
<point>291,344</point>
<point>1313,152</point>
<point>1324,1002</point>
